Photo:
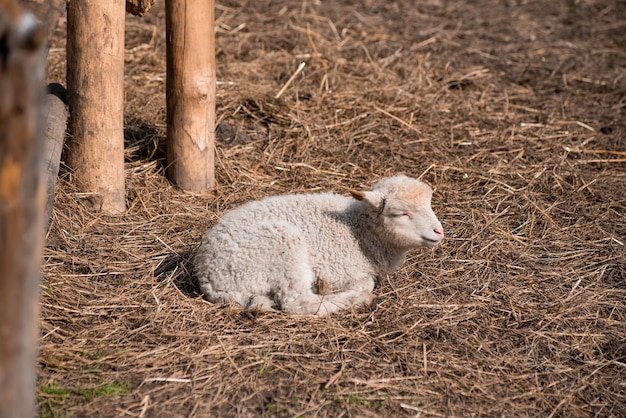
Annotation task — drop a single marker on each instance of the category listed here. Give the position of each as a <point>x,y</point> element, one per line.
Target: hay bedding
<point>513,110</point>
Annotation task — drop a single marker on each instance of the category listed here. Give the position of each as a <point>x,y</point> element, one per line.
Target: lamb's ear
<point>372,198</point>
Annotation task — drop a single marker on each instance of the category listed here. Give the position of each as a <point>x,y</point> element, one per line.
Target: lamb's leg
<point>260,303</point>
<point>336,302</point>
<point>310,303</point>
<point>295,292</point>
<point>297,295</point>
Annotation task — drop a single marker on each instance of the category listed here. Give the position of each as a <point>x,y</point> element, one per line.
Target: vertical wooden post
<point>190,91</point>
<point>22,73</point>
<point>95,84</point>
<point>55,124</point>
<point>55,116</point>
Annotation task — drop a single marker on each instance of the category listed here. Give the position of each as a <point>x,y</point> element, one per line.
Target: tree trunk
<point>22,72</point>
<point>190,92</point>
<point>95,83</point>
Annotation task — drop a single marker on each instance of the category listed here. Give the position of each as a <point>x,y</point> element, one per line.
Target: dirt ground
<point>514,111</point>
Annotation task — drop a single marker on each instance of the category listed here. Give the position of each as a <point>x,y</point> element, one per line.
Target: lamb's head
<point>401,207</point>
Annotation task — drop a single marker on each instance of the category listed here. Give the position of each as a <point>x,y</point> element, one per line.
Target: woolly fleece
<point>314,253</point>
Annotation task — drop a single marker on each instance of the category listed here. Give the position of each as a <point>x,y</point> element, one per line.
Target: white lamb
<point>315,254</point>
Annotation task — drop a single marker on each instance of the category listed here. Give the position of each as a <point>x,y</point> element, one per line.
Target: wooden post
<point>48,13</point>
<point>22,73</point>
<point>95,84</point>
<point>55,124</point>
<point>190,91</point>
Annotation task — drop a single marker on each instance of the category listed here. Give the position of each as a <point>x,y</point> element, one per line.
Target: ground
<point>514,111</point>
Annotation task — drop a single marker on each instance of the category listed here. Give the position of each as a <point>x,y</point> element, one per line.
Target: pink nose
<point>438,231</point>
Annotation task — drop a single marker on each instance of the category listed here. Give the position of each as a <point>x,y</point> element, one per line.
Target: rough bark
<point>22,73</point>
<point>95,84</point>
<point>190,90</point>
<point>55,111</point>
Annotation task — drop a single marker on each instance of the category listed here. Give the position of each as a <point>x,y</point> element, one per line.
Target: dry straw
<point>513,111</point>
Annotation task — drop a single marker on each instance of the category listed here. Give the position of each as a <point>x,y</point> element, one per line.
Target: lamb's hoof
<point>377,301</point>
<point>260,304</point>
<point>249,315</point>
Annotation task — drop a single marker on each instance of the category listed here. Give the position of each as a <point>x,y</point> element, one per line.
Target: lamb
<point>315,254</point>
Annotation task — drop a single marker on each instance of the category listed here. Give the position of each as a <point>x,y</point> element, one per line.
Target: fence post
<point>22,201</point>
<point>95,85</point>
<point>190,93</point>
<point>56,123</point>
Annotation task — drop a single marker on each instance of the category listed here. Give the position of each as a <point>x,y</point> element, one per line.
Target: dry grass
<point>513,110</point>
